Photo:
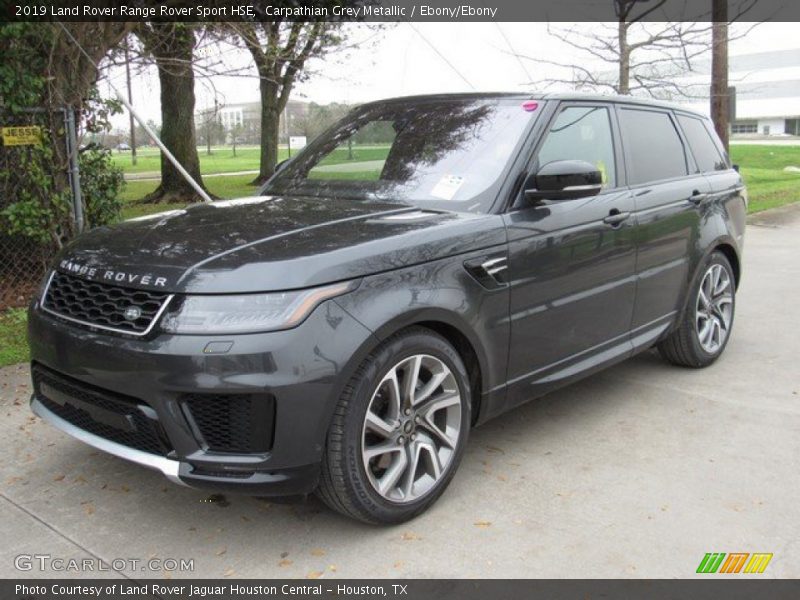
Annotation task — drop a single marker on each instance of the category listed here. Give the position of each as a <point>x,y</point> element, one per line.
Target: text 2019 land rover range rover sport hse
<point>421,267</point>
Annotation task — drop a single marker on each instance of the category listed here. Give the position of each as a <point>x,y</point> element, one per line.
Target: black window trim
<point>709,127</point>
<point>722,157</point>
<point>687,155</point>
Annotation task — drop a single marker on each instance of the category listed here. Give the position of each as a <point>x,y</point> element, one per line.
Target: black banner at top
<point>392,10</point>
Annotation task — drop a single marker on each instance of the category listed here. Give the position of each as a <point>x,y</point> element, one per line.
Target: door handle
<point>615,217</point>
<point>697,197</point>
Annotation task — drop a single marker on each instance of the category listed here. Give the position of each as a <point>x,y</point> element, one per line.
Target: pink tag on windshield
<point>530,105</point>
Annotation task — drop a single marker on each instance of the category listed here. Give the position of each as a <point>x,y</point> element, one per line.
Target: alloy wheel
<point>714,309</point>
<point>411,428</point>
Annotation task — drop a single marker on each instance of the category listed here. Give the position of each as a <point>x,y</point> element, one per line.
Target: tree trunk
<point>173,55</point>
<point>720,108</point>
<point>270,120</point>
<point>624,86</point>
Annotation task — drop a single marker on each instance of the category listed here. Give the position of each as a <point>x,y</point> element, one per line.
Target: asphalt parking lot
<point>636,472</point>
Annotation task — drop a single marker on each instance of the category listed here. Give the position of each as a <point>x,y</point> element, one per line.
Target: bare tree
<point>280,51</point>
<point>211,126</point>
<point>183,54</point>
<point>642,56</point>
<point>171,45</point>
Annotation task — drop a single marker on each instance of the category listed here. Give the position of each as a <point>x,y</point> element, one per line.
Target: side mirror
<point>281,164</point>
<point>564,180</point>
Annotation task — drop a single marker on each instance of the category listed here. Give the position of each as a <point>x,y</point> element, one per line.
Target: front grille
<point>102,305</point>
<point>115,417</point>
<point>239,423</point>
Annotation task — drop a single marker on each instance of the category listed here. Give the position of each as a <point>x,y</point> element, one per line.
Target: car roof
<point>549,96</point>
<point>620,99</point>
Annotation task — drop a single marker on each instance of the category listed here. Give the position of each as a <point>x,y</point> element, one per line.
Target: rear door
<point>571,262</point>
<point>667,192</point>
<point>727,187</point>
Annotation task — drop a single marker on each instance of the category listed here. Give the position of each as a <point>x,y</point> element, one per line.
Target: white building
<point>767,92</point>
<point>245,118</point>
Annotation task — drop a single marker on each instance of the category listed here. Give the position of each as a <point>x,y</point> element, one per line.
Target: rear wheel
<point>399,430</point>
<point>707,322</point>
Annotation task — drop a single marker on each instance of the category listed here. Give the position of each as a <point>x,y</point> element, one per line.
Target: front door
<point>571,263</point>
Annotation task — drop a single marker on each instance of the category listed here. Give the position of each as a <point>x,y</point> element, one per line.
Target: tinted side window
<point>702,145</point>
<point>654,148</point>
<point>582,133</point>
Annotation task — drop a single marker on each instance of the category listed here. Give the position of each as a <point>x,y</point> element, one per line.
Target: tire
<point>372,440</point>
<point>691,344</point>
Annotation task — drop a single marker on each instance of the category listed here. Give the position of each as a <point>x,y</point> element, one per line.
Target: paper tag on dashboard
<point>447,187</point>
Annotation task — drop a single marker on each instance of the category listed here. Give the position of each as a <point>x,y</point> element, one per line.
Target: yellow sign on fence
<point>27,135</point>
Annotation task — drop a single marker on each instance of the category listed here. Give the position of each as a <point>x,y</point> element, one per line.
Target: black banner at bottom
<point>431,589</point>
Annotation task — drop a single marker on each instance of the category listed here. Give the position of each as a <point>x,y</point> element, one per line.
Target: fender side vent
<point>490,271</point>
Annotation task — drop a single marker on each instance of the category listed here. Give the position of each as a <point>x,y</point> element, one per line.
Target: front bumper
<point>170,468</point>
<point>300,372</point>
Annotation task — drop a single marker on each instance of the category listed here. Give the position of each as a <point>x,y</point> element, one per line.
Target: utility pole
<point>130,100</point>
<point>720,101</point>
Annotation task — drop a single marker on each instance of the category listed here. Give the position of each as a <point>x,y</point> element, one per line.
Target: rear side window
<point>702,145</point>
<point>654,148</point>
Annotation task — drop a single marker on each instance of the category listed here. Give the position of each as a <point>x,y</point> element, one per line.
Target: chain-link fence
<point>35,153</point>
<point>21,268</point>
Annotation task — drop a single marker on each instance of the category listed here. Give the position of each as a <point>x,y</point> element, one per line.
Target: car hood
<point>269,243</point>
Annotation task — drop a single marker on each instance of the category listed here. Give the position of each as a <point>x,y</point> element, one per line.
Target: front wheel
<point>399,430</point>
<point>708,319</point>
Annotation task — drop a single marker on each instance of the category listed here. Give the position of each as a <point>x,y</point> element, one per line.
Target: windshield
<point>449,154</point>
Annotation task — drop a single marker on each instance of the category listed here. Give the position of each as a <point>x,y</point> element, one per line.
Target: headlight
<point>248,313</point>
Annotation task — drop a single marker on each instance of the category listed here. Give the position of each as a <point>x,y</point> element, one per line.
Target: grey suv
<point>423,266</point>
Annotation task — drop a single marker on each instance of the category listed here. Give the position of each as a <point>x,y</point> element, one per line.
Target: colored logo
<point>734,562</point>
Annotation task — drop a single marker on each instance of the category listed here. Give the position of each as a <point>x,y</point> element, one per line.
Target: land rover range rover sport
<point>423,266</point>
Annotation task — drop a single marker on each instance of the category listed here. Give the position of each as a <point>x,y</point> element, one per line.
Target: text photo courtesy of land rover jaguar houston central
<point>423,266</point>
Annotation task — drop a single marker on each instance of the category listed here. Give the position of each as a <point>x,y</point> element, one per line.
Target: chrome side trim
<point>168,467</point>
<point>495,270</point>
<point>150,327</point>
<point>492,262</point>
<point>495,265</point>
<point>582,188</point>
<point>409,216</point>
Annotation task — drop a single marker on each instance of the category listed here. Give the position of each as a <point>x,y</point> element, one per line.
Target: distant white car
<point>123,147</point>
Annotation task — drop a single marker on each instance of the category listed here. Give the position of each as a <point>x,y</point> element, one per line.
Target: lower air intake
<point>232,423</point>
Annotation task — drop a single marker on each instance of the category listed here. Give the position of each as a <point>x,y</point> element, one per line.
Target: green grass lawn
<point>13,336</point>
<point>768,185</point>
<point>234,186</point>
<point>221,159</point>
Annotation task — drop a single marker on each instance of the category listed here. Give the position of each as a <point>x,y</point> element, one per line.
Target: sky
<point>412,58</point>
